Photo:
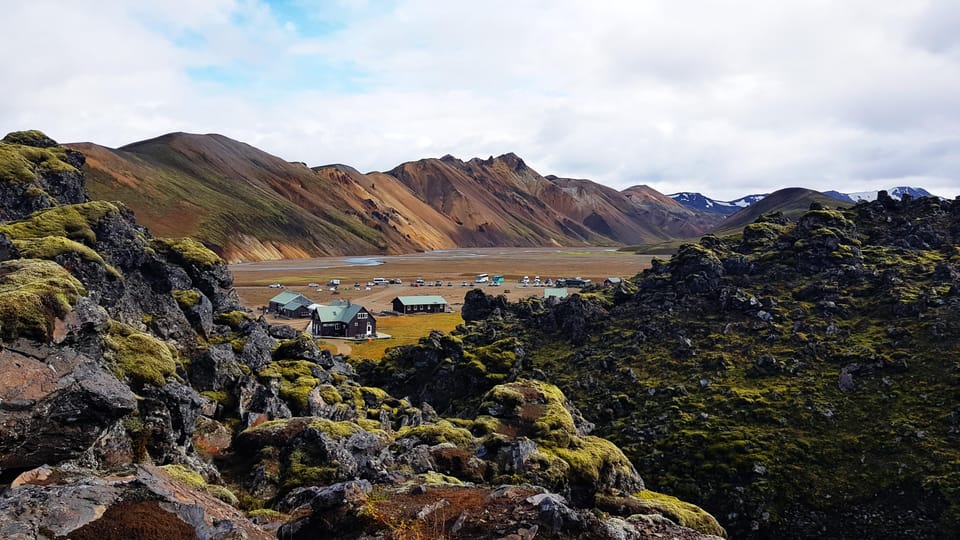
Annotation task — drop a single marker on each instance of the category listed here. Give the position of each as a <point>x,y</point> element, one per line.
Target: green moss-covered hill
<point>796,380</point>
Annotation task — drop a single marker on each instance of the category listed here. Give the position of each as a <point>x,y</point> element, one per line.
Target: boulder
<point>143,502</point>
<point>54,404</point>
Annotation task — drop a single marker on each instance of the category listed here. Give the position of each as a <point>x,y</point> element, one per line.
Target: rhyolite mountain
<point>798,380</point>
<point>139,399</point>
<point>702,203</point>
<point>249,205</point>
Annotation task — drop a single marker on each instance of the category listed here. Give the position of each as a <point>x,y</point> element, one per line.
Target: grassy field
<point>406,330</point>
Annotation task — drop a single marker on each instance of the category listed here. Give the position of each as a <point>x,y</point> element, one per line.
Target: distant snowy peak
<point>896,193</point>
<point>744,202</point>
<point>698,201</point>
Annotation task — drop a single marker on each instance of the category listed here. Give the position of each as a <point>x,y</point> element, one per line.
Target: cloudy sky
<point>722,97</point>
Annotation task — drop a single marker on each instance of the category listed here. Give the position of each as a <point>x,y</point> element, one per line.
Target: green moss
<point>30,137</point>
<point>436,479</point>
<point>233,319</point>
<point>33,293</point>
<point>302,470</point>
<point>682,513</point>
<point>538,405</point>
<point>335,430</point>
<point>441,432</point>
<point>186,298</point>
<point>49,247</point>
<point>330,394</point>
<point>19,163</point>
<point>369,425</point>
<point>223,493</point>
<point>14,167</point>
<point>73,221</point>
<point>274,429</point>
<point>136,356</point>
<point>185,475</point>
<point>193,479</point>
<point>266,514</point>
<point>589,457</point>
<point>296,380</point>
<point>187,250</point>
<point>222,397</point>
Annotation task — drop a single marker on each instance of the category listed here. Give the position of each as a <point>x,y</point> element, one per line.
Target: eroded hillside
<point>249,205</point>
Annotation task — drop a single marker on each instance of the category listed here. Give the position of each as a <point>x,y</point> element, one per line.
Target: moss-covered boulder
<point>137,356</point>
<point>33,294</point>
<point>36,173</point>
<point>541,412</point>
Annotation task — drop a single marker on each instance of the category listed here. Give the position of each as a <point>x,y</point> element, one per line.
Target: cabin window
<point>361,315</point>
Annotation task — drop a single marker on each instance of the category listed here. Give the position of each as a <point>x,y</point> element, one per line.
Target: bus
<point>482,278</point>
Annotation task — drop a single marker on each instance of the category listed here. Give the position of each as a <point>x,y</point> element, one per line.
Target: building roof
<point>555,292</point>
<point>338,312</point>
<point>422,300</point>
<point>613,280</point>
<point>285,297</point>
<point>299,301</point>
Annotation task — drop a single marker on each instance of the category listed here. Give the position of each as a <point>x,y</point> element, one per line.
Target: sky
<point>724,97</point>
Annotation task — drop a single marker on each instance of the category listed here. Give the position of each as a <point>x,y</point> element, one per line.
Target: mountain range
<point>249,205</point>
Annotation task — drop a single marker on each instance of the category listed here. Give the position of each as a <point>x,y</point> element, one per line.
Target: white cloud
<point>727,98</point>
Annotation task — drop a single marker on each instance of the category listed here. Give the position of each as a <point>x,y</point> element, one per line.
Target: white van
<point>482,278</point>
<point>380,281</point>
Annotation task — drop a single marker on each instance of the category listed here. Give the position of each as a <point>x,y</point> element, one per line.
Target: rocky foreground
<point>139,399</point>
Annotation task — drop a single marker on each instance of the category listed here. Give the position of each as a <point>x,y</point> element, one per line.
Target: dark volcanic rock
<point>477,305</point>
<point>54,403</point>
<point>142,503</point>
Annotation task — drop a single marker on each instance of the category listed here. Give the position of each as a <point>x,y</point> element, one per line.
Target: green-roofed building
<point>420,304</point>
<point>342,319</point>
<point>290,304</point>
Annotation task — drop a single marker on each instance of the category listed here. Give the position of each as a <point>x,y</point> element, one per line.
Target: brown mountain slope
<point>497,198</point>
<point>793,202</point>
<point>250,205</point>
<point>674,219</point>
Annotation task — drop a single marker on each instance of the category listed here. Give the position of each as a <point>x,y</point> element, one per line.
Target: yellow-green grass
<point>405,330</point>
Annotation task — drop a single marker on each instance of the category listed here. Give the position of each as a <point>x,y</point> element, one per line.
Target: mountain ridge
<point>247,204</point>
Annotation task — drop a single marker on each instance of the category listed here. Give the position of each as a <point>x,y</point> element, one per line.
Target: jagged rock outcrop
<point>37,174</point>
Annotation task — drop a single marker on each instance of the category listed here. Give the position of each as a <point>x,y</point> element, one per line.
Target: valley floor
<point>252,280</point>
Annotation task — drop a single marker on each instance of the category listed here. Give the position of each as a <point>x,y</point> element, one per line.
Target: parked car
<point>380,281</point>
<point>464,284</point>
<point>333,283</point>
<point>276,286</point>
